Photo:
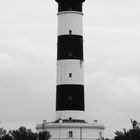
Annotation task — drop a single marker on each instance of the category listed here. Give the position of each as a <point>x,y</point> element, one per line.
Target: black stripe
<point>70,5</point>
<point>70,47</point>
<point>70,97</point>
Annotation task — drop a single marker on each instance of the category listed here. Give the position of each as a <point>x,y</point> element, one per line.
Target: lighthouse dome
<point>69,0</point>
<point>70,5</point>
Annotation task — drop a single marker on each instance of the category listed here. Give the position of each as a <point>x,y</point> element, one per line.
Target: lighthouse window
<point>70,32</point>
<point>70,75</point>
<point>100,133</point>
<point>70,98</point>
<point>70,54</point>
<point>70,134</point>
<point>70,8</point>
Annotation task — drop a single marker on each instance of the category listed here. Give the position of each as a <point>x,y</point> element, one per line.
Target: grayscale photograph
<point>69,70</point>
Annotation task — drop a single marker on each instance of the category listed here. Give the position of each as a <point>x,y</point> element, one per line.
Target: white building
<point>72,130</point>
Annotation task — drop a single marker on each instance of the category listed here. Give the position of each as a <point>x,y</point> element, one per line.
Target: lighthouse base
<point>72,129</point>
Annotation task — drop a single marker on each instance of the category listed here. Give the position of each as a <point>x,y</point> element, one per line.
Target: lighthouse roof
<point>70,0</point>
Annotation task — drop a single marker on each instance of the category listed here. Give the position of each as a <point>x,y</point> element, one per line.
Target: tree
<point>7,137</point>
<point>23,134</point>
<point>2,132</point>
<point>26,134</point>
<point>44,135</point>
<point>4,135</point>
<point>20,134</point>
<point>131,134</point>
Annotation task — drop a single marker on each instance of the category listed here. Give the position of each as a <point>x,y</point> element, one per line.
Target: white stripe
<point>70,21</point>
<point>70,72</point>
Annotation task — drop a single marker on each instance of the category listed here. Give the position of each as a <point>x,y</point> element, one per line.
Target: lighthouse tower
<point>70,85</point>
<point>70,104</point>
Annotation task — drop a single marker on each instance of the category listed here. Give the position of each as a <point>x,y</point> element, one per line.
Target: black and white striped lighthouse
<point>70,122</point>
<point>70,76</point>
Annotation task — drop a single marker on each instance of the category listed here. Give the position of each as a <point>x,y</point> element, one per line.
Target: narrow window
<point>70,32</point>
<point>70,134</point>
<point>70,98</point>
<point>70,54</point>
<point>100,134</point>
<point>70,118</point>
<point>70,75</point>
<point>70,8</point>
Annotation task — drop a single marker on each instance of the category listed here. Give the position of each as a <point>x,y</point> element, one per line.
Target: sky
<point>28,38</point>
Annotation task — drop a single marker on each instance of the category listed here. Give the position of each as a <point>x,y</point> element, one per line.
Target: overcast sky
<point>28,38</point>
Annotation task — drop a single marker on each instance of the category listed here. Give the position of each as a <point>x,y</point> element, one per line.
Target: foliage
<point>23,134</point>
<point>2,132</point>
<point>44,135</point>
<point>131,134</point>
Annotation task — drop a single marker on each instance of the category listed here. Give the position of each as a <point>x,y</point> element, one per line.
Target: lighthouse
<point>70,85</point>
<point>70,122</point>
